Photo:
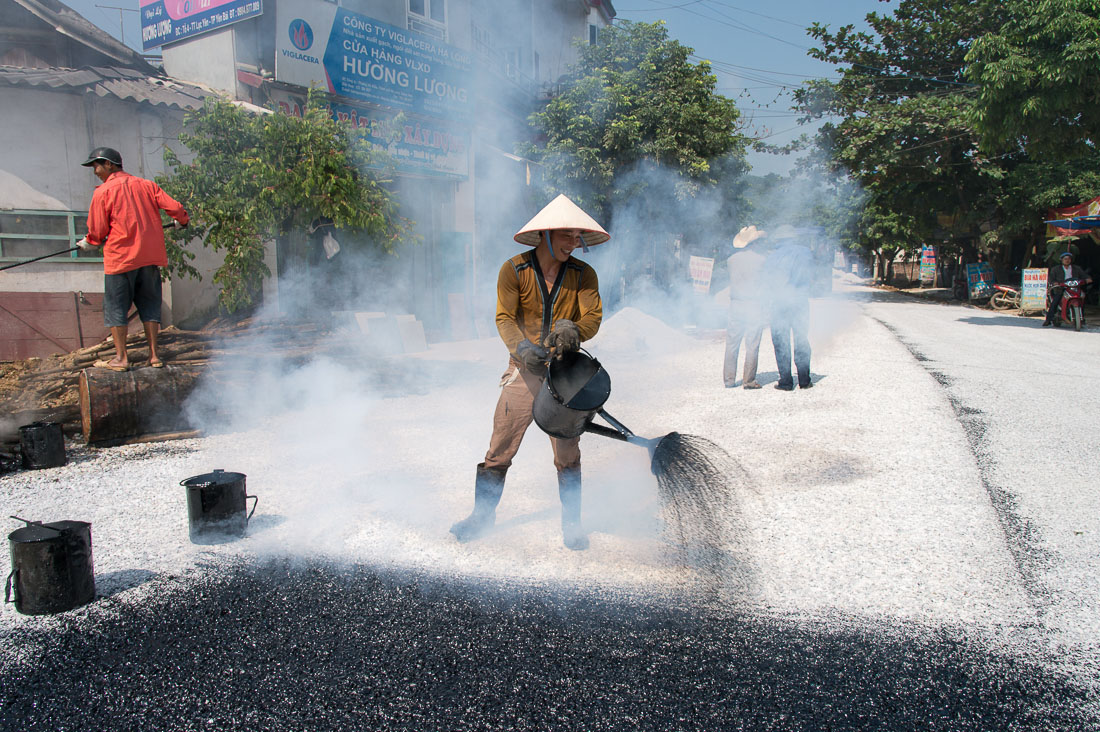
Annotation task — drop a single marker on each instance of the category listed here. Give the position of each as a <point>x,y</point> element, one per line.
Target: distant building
<point>465,75</point>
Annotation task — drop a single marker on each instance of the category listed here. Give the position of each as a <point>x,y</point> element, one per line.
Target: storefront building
<point>445,86</point>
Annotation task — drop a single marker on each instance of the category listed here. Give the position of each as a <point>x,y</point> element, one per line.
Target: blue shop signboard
<point>980,279</point>
<point>355,56</point>
<point>426,147</point>
<point>167,21</point>
<point>928,264</point>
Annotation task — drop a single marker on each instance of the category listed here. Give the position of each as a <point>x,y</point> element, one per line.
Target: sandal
<point>111,366</point>
<point>156,364</point>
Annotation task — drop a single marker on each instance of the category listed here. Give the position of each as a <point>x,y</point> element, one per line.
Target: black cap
<point>103,153</point>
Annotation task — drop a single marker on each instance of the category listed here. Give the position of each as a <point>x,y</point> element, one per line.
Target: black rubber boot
<point>569,489</point>
<point>488,488</point>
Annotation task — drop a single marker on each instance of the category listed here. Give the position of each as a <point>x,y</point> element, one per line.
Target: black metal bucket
<point>42,445</point>
<point>575,388</point>
<point>216,504</point>
<point>51,567</point>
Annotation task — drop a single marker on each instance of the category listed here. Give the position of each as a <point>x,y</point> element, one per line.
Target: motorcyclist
<point>1056,278</point>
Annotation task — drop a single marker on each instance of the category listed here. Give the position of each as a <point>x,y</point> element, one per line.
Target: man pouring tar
<point>547,303</point>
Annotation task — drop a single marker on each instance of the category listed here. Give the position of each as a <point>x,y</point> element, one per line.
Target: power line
<point>772,112</point>
<point>751,29</point>
<point>773,134</point>
<point>975,161</point>
<point>662,7</point>
<point>751,12</point>
<point>742,27</point>
<point>912,78</point>
<point>728,64</point>
<point>735,24</point>
<point>717,2</point>
<point>771,79</point>
<point>121,27</point>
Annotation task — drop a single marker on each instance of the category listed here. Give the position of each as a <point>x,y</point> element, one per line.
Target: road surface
<point>911,545</point>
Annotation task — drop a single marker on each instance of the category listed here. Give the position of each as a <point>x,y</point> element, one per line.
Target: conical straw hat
<point>561,213</point>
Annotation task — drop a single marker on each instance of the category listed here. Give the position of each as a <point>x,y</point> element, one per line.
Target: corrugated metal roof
<point>121,83</point>
<point>70,23</point>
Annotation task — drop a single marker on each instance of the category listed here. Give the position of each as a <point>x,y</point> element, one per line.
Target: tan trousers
<point>744,323</point>
<point>512,418</point>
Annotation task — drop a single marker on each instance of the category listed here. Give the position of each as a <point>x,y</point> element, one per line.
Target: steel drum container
<point>42,445</point>
<point>51,567</point>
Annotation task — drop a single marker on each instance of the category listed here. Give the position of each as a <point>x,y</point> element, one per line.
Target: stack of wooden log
<point>47,389</point>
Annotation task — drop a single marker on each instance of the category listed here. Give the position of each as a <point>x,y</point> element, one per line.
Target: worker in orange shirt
<point>124,219</point>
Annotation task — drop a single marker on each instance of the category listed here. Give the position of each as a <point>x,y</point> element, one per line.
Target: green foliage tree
<point>1039,79</point>
<point>255,177</point>
<point>905,134</point>
<point>636,120</point>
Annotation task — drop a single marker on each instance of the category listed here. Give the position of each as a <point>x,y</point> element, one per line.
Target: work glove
<point>177,225</point>
<point>532,356</point>
<point>565,337</point>
<point>85,245</point>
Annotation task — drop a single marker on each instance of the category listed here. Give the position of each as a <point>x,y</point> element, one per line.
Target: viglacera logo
<point>301,35</point>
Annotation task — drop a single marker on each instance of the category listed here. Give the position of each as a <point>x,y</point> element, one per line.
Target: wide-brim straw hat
<point>561,213</point>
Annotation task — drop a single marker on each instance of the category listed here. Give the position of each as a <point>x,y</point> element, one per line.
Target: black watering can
<point>216,505</point>
<point>689,469</point>
<point>573,393</point>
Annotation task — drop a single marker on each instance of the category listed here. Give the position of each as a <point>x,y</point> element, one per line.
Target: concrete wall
<point>194,301</point>
<point>54,277</point>
<point>47,134</point>
<point>209,59</point>
<point>45,137</point>
<point>393,12</point>
<point>556,51</point>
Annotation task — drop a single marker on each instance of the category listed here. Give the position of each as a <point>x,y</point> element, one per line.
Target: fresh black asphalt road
<point>287,645</point>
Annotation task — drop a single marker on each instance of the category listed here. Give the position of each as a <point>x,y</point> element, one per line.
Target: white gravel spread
<point>865,499</point>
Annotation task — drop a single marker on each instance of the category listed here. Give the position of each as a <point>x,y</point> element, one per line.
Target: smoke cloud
<point>368,448</point>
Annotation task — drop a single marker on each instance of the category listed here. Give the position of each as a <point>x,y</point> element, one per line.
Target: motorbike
<point>1005,297</point>
<point>1071,309</point>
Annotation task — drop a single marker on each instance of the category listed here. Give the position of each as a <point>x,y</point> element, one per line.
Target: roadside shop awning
<point>1077,223</point>
<point>1074,221</point>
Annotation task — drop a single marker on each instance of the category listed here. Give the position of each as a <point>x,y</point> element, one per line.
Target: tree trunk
<point>118,406</point>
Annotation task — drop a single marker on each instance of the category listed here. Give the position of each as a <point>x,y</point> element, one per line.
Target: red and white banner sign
<point>701,269</point>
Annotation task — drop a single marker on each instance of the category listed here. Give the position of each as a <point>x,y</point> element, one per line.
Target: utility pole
<point>121,27</point>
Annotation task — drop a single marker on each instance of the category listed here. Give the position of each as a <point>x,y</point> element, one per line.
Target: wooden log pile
<point>47,389</point>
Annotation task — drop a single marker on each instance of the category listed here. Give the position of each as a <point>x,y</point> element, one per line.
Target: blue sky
<point>758,49</point>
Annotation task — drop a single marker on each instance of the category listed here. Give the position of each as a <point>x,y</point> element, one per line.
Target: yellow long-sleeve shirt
<point>526,309</point>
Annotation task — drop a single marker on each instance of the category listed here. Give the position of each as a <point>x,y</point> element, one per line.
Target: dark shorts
<point>138,287</point>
